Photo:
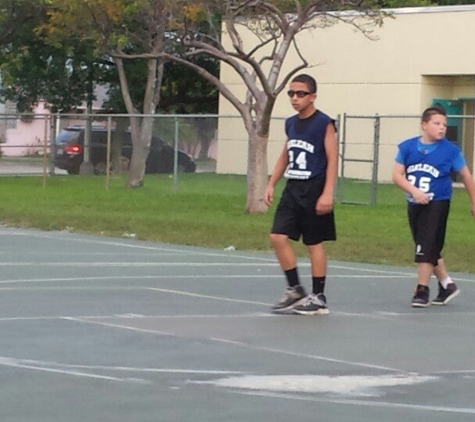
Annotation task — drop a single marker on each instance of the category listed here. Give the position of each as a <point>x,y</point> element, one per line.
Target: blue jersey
<point>306,147</point>
<point>428,167</point>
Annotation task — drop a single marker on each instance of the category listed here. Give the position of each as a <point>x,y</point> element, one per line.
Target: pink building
<point>24,136</point>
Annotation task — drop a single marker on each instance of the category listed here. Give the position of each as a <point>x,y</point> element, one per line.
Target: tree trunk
<point>257,173</point>
<point>137,165</point>
<point>141,139</point>
<point>119,163</point>
<point>204,148</point>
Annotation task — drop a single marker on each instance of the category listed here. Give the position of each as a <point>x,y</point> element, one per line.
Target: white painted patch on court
<point>356,386</point>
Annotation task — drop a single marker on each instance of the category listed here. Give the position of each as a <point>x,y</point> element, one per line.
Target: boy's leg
<point>318,260</point>
<point>295,293</point>
<point>283,250</point>
<point>447,288</point>
<point>316,303</point>
<point>421,294</point>
<point>440,271</point>
<point>424,273</point>
<point>428,225</point>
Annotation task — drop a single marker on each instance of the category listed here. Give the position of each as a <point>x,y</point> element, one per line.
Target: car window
<point>99,138</point>
<point>67,135</point>
<point>157,143</point>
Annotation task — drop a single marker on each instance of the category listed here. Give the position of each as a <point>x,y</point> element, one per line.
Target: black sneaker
<point>446,295</point>
<point>313,305</point>
<point>421,297</point>
<point>293,296</point>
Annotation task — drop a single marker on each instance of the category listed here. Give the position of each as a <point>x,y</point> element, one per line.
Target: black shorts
<point>428,225</point>
<point>296,215</point>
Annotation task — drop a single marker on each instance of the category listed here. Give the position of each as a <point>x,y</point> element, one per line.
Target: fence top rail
<point>402,116</point>
<point>104,116</point>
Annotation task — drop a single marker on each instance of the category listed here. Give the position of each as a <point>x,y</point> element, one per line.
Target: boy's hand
<point>269,195</point>
<point>324,204</point>
<point>421,197</point>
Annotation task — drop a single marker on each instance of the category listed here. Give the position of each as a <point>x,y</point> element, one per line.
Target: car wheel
<point>190,167</point>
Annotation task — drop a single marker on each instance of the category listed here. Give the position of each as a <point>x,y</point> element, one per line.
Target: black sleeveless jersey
<point>305,146</point>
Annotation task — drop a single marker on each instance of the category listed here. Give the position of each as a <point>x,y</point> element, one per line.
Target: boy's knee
<point>276,238</point>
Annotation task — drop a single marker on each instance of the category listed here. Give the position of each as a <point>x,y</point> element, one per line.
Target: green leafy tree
<point>124,30</point>
<point>62,75</point>
<point>15,15</point>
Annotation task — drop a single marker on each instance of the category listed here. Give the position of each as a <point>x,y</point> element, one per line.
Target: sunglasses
<point>299,94</point>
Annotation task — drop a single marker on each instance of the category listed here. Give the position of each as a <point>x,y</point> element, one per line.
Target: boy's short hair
<point>432,111</point>
<point>308,80</point>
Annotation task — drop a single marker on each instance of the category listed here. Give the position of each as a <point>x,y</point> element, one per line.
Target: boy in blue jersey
<point>423,170</point>
<point>309,161</point>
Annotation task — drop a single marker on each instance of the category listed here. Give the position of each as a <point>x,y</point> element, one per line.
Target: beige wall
<point>418,56</point>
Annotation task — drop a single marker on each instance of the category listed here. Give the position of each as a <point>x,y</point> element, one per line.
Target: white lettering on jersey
<point>426,168</point>
<point>297,143</point>
<point>297,174</point>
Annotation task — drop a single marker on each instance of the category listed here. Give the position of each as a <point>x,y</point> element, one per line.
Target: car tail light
<point>73,149</point>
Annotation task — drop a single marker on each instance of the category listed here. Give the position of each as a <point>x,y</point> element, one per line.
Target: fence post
<point>53,131</point>
<point>175,156</point>
<point>376,139</point>
<point>342,138</point>
<point>108,151</point>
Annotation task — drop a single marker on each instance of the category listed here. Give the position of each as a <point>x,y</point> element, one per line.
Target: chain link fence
<point>60,144</point>
<point>368,147</point>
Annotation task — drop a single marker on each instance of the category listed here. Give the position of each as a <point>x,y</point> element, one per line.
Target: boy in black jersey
<point>309,161</point>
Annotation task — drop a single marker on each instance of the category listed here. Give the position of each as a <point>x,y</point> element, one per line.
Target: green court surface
<point>103,329</point>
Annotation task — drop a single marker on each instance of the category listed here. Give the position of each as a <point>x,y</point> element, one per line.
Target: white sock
<point>446,282</point>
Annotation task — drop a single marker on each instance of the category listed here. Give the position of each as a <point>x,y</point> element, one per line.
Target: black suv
<point>69,152</point>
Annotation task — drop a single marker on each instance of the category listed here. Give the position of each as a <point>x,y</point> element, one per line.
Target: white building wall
<point>418,56</point>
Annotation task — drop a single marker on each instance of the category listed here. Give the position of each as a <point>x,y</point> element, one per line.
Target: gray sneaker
<point>446,295</point>
<point>293,296</point>
<point>313,305</point>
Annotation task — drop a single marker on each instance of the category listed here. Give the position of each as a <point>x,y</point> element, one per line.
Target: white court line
<point>247,346</point>
<point>28,364</point>
<point>366,403</point>
<point>55,365</point>
<point>88,254</point>
<point>124,327</point>
<point>152,248</point>
<point>136,264</point>
<point>378,315</point>
<point>202,296</point>
<point>455,372</point>
<point>214,254</point>
<point>17,363</point>
<point>128,277</point>
<point>120,264</point>
<point>181,277</point>
<point>136,316</point>
<point>213,316</point>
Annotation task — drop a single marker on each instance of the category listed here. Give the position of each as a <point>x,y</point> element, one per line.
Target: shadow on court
<point>103,329</point>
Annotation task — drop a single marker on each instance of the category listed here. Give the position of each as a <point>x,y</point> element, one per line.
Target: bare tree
<point>275,24</point>
<point>151,30</point>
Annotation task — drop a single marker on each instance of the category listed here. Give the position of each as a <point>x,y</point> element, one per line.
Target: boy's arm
<point>279,169</point>
<point>325,201</point>
<point>399,178</point>
<point>469,184</point>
